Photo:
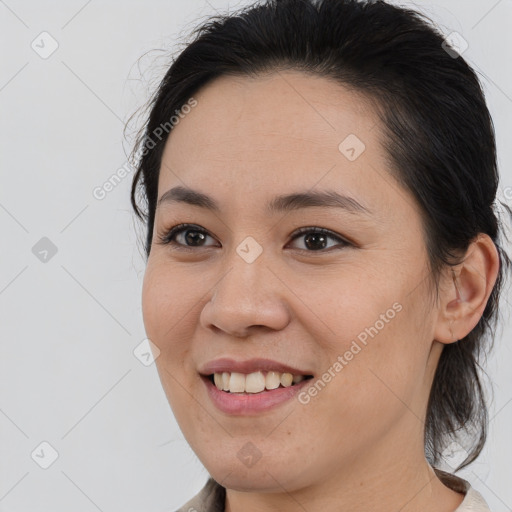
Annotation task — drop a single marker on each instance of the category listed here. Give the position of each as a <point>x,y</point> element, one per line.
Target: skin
<point>358,444</point>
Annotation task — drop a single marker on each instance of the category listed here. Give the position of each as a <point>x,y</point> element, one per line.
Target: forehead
<point>276,134</point>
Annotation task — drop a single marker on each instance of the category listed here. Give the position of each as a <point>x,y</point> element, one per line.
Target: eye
<point>193,234</point>
<point>315,238</point>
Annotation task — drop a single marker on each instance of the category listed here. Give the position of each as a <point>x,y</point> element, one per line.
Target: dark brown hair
<point>439,140</point>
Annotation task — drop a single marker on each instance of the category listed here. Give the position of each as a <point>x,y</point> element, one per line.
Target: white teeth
<point>225,381</point>
<point>237,383</point>
<point>255,382</point>
<point>286,379</point>
<point>272,380</point>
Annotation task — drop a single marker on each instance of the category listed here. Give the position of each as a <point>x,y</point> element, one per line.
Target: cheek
<point>166,309</point>
<point>366,325</point>
<point>347,303</point>
<point>373,387</point>
<point>165,304</point>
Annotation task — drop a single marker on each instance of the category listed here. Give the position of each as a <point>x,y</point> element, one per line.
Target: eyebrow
<point>288,202</point>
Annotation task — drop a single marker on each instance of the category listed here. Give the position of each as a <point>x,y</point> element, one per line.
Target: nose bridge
<point>247,295</point>
<point>247,275</point>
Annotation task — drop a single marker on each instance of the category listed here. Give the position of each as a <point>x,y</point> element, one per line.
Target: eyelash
<point>166,237</point>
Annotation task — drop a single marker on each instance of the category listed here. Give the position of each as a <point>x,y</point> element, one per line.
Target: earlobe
<point>467,291</point>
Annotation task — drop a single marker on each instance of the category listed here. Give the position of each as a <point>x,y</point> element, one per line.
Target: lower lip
<point>251,403</point>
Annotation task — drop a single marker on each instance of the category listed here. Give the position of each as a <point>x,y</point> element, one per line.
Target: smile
<point>256,382</point>
<point>246,403</point>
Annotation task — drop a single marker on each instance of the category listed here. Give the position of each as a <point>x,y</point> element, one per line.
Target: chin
<point>265,475</point>
<point>250,481</point>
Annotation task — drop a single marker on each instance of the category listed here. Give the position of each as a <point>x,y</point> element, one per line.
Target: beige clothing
<point>212,496</point>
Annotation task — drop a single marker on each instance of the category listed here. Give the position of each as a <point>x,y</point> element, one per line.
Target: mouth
<point>255,382</point>
<point>252,386</point>
<point>247,394</point>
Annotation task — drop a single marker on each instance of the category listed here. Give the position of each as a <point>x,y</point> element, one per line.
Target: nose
<point>248,297</point>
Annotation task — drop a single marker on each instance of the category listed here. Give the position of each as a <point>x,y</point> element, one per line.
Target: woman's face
<point>350,308</point>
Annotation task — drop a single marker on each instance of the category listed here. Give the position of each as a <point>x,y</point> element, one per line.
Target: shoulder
<point>473,500</point>
<point>211,498</point>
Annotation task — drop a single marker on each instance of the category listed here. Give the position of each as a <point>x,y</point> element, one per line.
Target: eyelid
<point>323,231</point>
<point>164,237</point>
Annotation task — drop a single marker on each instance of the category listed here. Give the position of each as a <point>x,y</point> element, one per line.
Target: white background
<point>68,327</point>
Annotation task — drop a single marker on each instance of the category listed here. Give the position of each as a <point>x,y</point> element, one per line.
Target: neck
<point>382,480</point>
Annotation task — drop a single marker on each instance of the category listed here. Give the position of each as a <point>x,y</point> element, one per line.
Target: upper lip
<point>226,364</point>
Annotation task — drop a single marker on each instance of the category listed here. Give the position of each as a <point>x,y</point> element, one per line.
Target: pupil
<point>315,237</point>
<point>311,239</point>
<point>193,238</point>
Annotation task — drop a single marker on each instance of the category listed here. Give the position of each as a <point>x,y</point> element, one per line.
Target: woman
<point>323,257</point>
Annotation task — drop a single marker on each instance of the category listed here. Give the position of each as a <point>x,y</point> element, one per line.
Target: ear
<point>465,290</point>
